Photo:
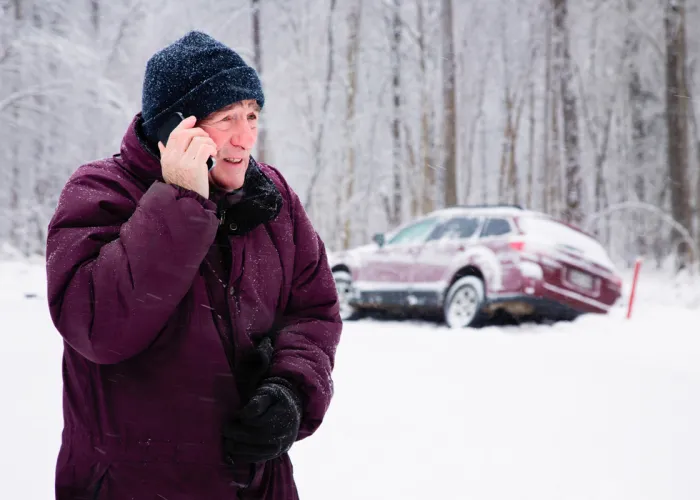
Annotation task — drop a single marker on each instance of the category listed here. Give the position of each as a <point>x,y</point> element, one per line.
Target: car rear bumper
<point>577,300</point>
<point>552,296</point>
<point>530,306</point>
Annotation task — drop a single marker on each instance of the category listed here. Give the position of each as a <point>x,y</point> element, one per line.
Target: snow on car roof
<point>502,211</point>
<point>494,210</point>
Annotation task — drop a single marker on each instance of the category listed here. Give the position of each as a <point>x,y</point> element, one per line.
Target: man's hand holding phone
<point>184,157</point>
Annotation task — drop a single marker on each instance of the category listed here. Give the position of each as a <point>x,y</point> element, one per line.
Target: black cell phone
<point>166,129</point>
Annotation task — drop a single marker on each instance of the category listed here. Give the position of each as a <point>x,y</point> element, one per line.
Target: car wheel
<point>463,302</point>
<point>343,285</point>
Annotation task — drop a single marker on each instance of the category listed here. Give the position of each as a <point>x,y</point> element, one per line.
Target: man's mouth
<point>234,161</point>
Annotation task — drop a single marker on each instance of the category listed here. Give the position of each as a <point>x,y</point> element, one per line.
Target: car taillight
<point>517,245</point>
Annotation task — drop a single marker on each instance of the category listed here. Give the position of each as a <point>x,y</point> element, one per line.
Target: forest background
<point>379,111</point>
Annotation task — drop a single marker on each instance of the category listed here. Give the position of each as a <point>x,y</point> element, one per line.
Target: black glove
<point>253,368</point>
<point>267,426</point>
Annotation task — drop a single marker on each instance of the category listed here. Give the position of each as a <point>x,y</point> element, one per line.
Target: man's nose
<point>241,134</point>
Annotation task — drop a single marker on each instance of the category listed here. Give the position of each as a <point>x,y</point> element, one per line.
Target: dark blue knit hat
<point>196,75</point>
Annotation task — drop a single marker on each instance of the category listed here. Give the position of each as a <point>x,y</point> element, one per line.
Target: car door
<point>387,271</point>
<point>496,259</point>
<point>436,259</point>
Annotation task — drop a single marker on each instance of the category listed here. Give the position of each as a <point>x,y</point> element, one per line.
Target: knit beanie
<point>196,75</point>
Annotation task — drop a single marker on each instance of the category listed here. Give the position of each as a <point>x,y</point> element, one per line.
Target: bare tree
<point>394,207</point>
<point>320,130</point>
<point>547,119</point>
<point>476,121</point>
<point>531,142</point>
<point>677,114</point>
<point>427,141</point>
<point>257,51</point>
<point>354,18</point>
<point>638,101</point>
<point>599,131</point>
<point>573,211</point>
<point>95,14</point>
<point>514,93</point>
<point>637,98</point>
<point>450,104</point>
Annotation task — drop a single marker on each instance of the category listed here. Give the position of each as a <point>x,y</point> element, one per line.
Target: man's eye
<point>226,119</point>
<point>252,116</point>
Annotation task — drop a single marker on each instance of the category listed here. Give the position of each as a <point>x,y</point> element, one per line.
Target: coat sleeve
<point>306,345</point>
<point>118,267</point>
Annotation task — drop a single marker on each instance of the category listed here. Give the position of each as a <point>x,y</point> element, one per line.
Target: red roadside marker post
<point>637,266</point>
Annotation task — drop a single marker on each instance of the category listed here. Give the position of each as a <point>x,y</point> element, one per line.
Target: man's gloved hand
<point>267,426</point>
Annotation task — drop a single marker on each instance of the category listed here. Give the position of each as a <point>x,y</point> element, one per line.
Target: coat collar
<point>257,202</point>
<point>138,156</point>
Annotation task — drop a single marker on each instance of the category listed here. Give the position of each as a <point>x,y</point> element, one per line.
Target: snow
<point>543,230</point>
<point>600,408</point>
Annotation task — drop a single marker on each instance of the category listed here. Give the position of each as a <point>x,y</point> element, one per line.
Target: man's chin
<point>229,176</point>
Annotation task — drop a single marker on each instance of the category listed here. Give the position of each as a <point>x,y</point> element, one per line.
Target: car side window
<point>456,228</point>
<point>495,227</point>
<point>414,233</point>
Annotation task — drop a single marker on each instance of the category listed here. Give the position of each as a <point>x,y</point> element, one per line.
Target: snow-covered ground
<point>601,408</point>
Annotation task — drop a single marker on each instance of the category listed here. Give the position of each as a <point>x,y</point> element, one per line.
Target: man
<point>198,311</point>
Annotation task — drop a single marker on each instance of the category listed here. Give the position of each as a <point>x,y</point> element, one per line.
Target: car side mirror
<point>379,239</point>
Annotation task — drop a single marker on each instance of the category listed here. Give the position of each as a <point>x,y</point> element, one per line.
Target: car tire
<point>463,303</point>
<point>343,285</point>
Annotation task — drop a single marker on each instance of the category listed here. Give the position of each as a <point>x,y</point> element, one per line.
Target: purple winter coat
<point>157,301</point>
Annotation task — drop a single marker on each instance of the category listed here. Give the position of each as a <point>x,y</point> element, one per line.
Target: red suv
<point>469,262</point>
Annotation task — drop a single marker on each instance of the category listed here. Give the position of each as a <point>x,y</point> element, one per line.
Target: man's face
<point>234,129</point>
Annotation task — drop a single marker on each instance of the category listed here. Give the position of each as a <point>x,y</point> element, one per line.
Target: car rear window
<point>495,227</point>
<point>549,231</point>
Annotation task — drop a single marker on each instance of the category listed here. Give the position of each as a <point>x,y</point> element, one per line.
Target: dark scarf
<point>257,202</point>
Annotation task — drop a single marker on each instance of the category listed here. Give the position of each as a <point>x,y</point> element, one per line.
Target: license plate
<point>580,279</point>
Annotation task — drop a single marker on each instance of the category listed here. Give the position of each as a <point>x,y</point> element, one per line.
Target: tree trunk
<point>553,181</point>
<point>573,211</point>
<point>484,164</point>
<point>696,167</point>
<point>354,17</point>
<point>637,103</point>
<point>677,119</point>
<point>320,131</point>
<point>508,177</point>
<point>397,199</point>
<point>508,105</point>
<point>429,181</point>
<point>475,123</point>
<point>95,14</point>
<point>531,153</point>
<point>638,132</point>
<point>507,119</point>
<point>450,105</point>
<point>546,170</point>
<point>257,51</point>
<point>513,176</point>
<point>14,180</point>
<point>17,202</point>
